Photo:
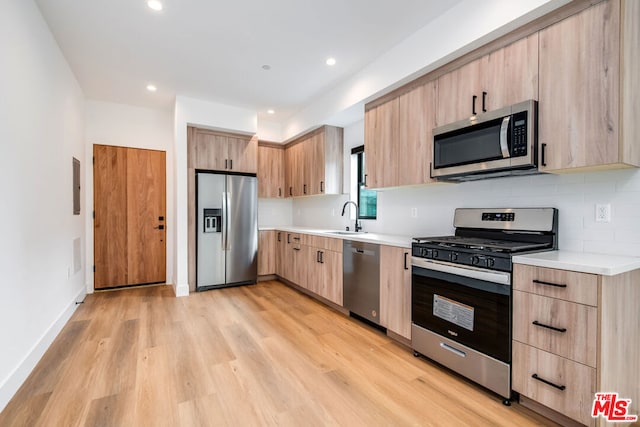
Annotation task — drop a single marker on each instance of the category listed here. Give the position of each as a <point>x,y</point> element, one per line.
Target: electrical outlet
<point>603,212</point>
<point>414,212</point>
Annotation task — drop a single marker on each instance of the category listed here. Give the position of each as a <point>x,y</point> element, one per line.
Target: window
<point>366,199</point>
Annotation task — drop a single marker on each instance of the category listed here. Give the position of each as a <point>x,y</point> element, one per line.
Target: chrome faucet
<point>358,227</point>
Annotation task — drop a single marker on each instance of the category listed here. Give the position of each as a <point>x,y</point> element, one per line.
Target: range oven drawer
<point>487,371</point>
<point>472,312</point>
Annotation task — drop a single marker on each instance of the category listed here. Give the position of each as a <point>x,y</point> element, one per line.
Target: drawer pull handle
<point>559,387</point>
<point>542,325</point>
<point>296,249</point>
<point>540,282</point>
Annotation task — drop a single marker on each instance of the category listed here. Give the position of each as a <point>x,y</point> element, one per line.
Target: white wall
<point>128,126</point>
<point>189,111</point>
<point>575,196</point>
<point>274,212</point>
<point>459,30</point>
<point>41,129</point>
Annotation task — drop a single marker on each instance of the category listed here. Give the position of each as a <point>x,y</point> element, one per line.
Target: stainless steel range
<point>461,290</point>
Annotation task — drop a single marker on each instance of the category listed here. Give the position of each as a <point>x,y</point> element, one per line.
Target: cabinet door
<point>395,290</point>
<point>266,252</point>
<point>294,157</point>
<point>455,94</point>
<point>242,155</point>
<point>417,110</point>
<point>315,151</point>
<point>520,78</point>
<point>288,170</point>
<point>331,276</point>
<point>579,89</point>
<point>280,254</point>
<point>210,151</point>
<point>381,145</point>
<point>270,172</point>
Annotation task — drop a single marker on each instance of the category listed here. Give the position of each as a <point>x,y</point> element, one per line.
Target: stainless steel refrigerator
<point>226,230</point>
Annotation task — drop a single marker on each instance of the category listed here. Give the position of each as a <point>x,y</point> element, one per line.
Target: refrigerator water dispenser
<point>212,220</point>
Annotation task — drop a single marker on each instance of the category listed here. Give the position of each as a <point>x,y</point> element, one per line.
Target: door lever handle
<point>160,227</point>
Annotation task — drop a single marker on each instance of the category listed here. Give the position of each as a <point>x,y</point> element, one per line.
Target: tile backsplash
<point>428,210</point>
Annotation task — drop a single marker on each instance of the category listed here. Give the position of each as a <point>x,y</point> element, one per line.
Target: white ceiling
<point>214,50</point>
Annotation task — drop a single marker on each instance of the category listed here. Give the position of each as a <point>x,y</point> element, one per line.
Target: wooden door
<point>298,173</point>
<point>417,116</point>
<point>130,216</point>
<point>271,172</point>
<point>455,94</point>
<point>243,155</point>
<point>266,252</point>
<point>316,154</point>
<point>395,290</point>
<point>579,90</point>
<point>146,214</point>
<point>110,221</point>
<point>380,145</point>
<point>331,267</point>
<point>520,81</point>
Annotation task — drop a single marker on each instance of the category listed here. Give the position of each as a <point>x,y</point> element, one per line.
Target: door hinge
<point>94,268</point>
<point>93,160</point>
<point>94,214</point>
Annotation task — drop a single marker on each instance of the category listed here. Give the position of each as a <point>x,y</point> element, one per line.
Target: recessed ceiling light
<point>270,111</point>
<point>331,61</point>
<point>154,4</point>
<point>266,67</point>
<point>151,88</point>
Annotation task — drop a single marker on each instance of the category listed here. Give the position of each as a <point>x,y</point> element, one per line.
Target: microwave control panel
<point>519,135</point>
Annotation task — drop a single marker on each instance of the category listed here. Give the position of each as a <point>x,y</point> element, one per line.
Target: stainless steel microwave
<point>498,143</point>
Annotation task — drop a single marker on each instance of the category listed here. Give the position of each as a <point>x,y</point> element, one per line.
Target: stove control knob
<point>475,260</point>
<point>454,256</point>
<point>424,252</point>
<point>490,262</point>
<point>434,254</point>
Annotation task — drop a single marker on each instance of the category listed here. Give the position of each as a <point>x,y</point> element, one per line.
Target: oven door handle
<point>504,135</point>
<point>500,277</point>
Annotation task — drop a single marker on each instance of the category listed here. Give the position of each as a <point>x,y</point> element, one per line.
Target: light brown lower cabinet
<point>395,289</point>
<point>311,262</point>
<point>575,334</point>
<point>266,252</point>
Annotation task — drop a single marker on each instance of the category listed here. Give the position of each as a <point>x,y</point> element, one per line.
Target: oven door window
<point>472,312</point>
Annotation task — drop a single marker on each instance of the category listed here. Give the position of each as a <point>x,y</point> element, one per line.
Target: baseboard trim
<point>12,383</point>
<point>181,290</point>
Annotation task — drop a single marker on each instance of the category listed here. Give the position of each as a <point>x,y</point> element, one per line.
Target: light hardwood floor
<point>254,355</point>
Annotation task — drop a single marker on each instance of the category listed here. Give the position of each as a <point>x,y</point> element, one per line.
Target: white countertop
<point>382,239</point>
<point>606,265</point>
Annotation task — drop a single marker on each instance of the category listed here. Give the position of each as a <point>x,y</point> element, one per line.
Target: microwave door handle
<point>504,134</point>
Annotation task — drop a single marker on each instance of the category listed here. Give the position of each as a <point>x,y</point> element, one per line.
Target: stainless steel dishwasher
<point>361,279</point>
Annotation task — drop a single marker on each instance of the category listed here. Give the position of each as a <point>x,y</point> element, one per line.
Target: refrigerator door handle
<point>224,221</point>
<point>228,206</point>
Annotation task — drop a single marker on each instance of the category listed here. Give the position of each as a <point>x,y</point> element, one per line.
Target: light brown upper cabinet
<point>271,170</point>
<point>503,77</point>
<point>398,139</point>
<point>380,139</point>
<point>214,150</point>
<point>589,89</point>
<point>313,163</point>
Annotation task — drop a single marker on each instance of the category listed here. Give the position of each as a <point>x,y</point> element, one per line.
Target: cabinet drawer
<point>562,284</point>
<point>320,242</point>
<point>576,338</point>
<point>578,381</point>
